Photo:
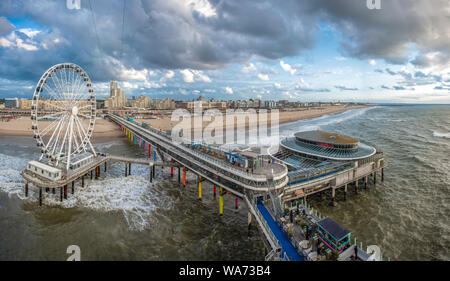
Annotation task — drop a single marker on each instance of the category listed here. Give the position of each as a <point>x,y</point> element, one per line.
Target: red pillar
<point>214,191</point>
<point>171,171</point>
<point>149,150</point>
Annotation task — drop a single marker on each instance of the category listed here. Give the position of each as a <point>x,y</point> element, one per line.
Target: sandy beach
<point>106,130</point>
<point>165,123</point>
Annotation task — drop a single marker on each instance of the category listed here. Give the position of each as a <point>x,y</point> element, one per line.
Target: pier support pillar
<point>73,187</point>
<point>345,192</point>
<point>249,219</point>
<point>82,181</point>
<point>65,191</point>
<point>26,188</point>
<point>333,196</point>
<point>184,176</point>
<point>151,173</point>
<point>126,171</point>
<point>356,186</point>
<point>366,180</point>
<point>154,171</point>
<point>129,169</point>
<point>99,170</point>
<point>382,174</point>
<point>91,174</point>
<point>105,166</point>
<point>220,201</point>
<point>215,190</point>
<point>61,194</point>
<point>374,177</point>
<point>179,175</point>
<point>40,196</point>
<point>236,204</point>
<point>199,187</point>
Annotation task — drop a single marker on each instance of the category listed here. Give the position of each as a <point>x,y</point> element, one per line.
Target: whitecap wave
<point>441,135</point>
<point>134,195</point>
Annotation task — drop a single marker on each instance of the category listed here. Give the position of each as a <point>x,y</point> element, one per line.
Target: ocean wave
<point>134,195</point>
<point>441,135</point>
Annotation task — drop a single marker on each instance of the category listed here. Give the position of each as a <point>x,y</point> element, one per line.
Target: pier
<point>277,184</point>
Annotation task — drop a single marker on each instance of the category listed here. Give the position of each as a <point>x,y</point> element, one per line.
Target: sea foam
<point>134,196</point>
<point>441,135</point>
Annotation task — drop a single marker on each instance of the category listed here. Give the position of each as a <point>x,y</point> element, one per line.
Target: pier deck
<point>285,244</point>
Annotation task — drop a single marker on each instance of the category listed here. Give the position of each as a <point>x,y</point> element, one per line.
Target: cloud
<point>286,67</point>
<point>263,77</point>
<point>248,68</point>
<point>169,74</point>
<point>344,88</point>
<point>372,62</point>
<point>228,90</point>
<point>277,85</point>
<point>199,74</point>
<point>188,76</point>
<point>5,26</point>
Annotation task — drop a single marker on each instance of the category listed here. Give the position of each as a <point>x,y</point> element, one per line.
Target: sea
<point>129,218</point>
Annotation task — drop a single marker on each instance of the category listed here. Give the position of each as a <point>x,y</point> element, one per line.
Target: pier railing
<point>270,237</point>
<point>209,160</point>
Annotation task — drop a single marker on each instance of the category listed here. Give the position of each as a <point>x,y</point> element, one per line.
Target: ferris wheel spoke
<point>51,115</point>
<point>51,91</point>
<point>57,137</point>
<point>86,135</point>
<point>85,116</point>
<point>51,104</point>
<point>54,76</point>
<point>79,91</point>
<point>50,127</point>
<point>48,146</point>
<point>63,143</point>
<point>81,136</point>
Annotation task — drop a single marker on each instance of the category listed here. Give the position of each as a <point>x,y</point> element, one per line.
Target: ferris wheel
<point>63,111</point>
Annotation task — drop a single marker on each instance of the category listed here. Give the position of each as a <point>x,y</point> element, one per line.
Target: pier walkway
<point>285,244</point>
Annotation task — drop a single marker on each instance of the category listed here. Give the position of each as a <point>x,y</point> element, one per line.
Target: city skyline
<point>300,51</point>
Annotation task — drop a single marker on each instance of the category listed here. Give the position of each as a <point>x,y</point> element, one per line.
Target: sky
<point>310,50</point>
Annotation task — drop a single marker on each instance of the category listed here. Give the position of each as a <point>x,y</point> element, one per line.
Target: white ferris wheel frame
<point>71,86</point>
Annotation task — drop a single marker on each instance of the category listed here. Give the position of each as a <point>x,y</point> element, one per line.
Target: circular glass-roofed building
<point>325,145</point>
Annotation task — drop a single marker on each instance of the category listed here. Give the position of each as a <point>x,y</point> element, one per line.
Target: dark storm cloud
<point>388,33</point>
<point>5,26</point>
<point>173,35</point>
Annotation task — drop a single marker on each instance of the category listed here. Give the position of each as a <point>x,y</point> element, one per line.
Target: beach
<point>105,130</point>
<point>166,123</point>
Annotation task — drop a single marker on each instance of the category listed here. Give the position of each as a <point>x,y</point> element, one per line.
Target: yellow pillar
<point>220,201</point>
<point>200,187</point>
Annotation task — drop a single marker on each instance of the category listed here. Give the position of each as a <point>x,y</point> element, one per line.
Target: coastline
<point>106,131</point>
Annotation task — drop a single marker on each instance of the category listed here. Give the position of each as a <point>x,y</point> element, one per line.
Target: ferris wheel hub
<point>75,110</point>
